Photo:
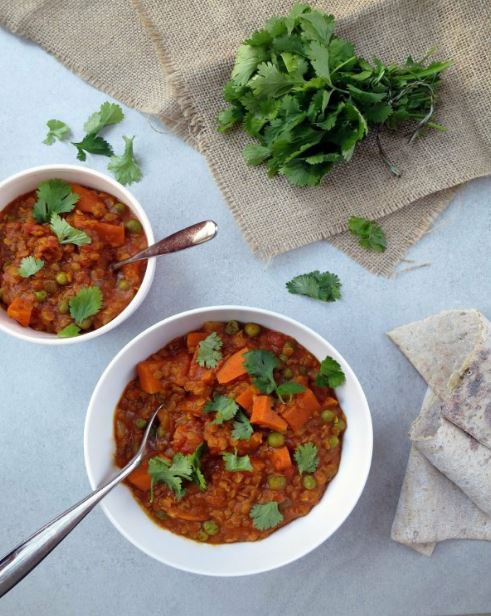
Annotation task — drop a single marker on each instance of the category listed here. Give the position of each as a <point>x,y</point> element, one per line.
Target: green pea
<point>50,286</point>
<point>288,348</point>
<point>161,515</point>
<point>287,373</point>
<point>333,441</point>
<point>161,431</point>
<point>303,370</point>
<point>309,482</point>
<point>120,208</point>
<point>63,306</point>
<point>85,324</point>
<point>252,329</point>
<point>40,295</point>
<point>232,327</point>
<point>276,482</point>
<point>211,527</point>
<point>133,225</point>
<point>202,536</point>
<point>61,278</point>
<point>328,416</point>
<point>140,423</point>
<point>275,439</point>
<point>340,424</point>
<point>123,284</point>
<point>283,358</point>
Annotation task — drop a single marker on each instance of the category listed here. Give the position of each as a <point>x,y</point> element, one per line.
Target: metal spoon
<point>198,233</point>
<point>27,555</point>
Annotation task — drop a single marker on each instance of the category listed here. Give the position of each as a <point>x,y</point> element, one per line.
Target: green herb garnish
<point>266,515</point>
<point>308,99</point>
<point>171,473</point>
<point>261,365</point>
<point>67,234</point>
<point>108,114</point>
<point>85,304</point>
<point>235,463</point>
<point>197,473</point>
<point>53,197</point>
<point>69,331</point>
<point>56,130</point>
<point>371,234</point>
<point>209,354</point>
<point>243,429</point>
<point>30,266</point>
<point>330,374</point>
<point>92,144</point>
<point>318,285</point>
<point>307,458</point>
<point>225,408</point>
<point>125,167</point>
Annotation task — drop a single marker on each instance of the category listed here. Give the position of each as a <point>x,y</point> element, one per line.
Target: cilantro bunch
<point>308,99</point>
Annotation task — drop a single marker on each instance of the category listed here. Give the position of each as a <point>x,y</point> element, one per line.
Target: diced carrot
<point>193,339</point>
<point>89,202</point>
<point>233,367</point>
<point>148,382</point>
<point>110,234</point>
<point>21,310</point>
<point>140,477</point>
<point>245,398</point>
<point>263,415</point>
<point>302,409</point>
<point>330,403</point>
<point>281,458</point>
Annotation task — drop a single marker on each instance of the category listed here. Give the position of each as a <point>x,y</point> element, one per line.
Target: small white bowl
<point>285,545</point>
<point>28,180</point>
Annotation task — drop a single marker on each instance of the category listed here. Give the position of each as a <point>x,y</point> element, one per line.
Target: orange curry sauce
<point>41,301</point>
<point>221,513</point>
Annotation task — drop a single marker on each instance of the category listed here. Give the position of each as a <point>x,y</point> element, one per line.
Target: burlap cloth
<point>172,58</point>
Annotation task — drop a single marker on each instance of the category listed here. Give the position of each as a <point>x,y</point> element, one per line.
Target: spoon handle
<point>27,555</point>
<point>198,233</point>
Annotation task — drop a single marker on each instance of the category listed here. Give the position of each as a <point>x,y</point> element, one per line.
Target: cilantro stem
<point>383,155</point>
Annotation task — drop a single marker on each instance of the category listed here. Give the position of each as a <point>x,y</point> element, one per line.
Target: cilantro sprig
<point>236,463</point>
<point>86,303</point>
<point>242,430</point>
<point>307,458</point>
<point>318,285</point>
<point>57,130</point>
<point>225,408</point>
<point>307,99</point>
<point>93,143</point>
<point>209,353</point>
<point>371,234</point>
<point>260,365</point>
<point>125,167</point>
<point>173,473</point>
<point>30,266</point>
<point>330,374</point>
<point>53,197</point>
<point>67,234</point>
<point>266,515</point>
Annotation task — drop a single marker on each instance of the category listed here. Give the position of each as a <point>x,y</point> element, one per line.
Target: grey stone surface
<point>44,391</point>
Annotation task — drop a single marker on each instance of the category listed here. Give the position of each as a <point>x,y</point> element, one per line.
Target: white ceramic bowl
<point>285,545</point>
<point>26,181</point>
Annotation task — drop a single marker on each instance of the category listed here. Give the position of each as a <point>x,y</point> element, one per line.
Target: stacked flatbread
<point>446,492</point>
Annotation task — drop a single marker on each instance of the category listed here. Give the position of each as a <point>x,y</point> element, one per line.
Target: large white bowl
<point>286,544</point>
<point>28,180</point>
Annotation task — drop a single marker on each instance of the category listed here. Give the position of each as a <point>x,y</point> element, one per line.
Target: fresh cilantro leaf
<point>289,389</point>
<point>266,515</point>
<point>109,113</point>
<point>125,167</point>
<point>209,353</point>
<point>225,408</point>
<point>53,196</point>
<point>330,374</point>
<point>234,463</point>
<point>197,473</point>
<point>228,118</point>
<point>67,234</point>
<point>371,234</point>
<point>260,365</point>
<point>69,331</point>
<point>255,154</point>
<point>318,26</point>
<point>92,144</point>
<point>319,57</point>
<point>56,130</point>
<point>30,266</point>
<point>270,81</point>
<point>246,62</point>
<point>307,458</point>
<point>318,285</point>
<point>85,304</point>
<point>243,429</point>
<point>170,473</point>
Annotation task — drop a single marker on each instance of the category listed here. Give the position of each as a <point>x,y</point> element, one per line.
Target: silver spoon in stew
<point>27,555</point>
<point>194,235</point>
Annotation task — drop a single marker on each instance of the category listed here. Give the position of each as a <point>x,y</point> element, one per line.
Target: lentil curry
<point>54,270</point>
<point>250,432</point>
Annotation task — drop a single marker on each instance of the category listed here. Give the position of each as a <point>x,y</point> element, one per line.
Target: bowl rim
<point>167,560</point>
<point>31,335</point>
